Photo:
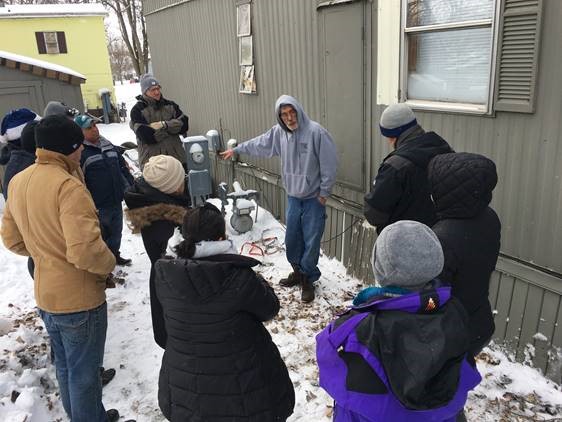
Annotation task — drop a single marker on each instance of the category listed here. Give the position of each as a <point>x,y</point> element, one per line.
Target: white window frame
<point>468,108</point>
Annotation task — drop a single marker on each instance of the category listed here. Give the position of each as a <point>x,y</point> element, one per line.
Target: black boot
<point>112,415</point>
<point>293,279</point>
<point>122,261</point>
<point>106,375</point>
<point>307,290</point>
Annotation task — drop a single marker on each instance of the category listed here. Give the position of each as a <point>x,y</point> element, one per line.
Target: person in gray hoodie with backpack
<point>309,163</point>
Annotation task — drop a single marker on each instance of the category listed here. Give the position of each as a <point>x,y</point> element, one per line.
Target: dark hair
<point>202,223</point>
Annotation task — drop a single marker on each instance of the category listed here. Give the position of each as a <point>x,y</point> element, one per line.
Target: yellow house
<point>71,35</point>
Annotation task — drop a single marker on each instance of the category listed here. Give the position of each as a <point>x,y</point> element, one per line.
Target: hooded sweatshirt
<point>308,154</point>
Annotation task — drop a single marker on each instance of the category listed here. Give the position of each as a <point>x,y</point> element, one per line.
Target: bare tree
<point>133,30</point>
<point>132,26</point>
<point>119,59</point>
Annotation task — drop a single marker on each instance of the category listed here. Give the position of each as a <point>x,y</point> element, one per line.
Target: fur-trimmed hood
<point>142,217</point>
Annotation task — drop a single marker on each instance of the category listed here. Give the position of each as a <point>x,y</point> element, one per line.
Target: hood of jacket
<point>420,147</point>
<point>421,351</point>
<point>198,280</point>
<point>302,117</point>
<point>461,184</point>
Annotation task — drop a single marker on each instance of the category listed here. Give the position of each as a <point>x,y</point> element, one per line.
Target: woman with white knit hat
<point>157,203</point>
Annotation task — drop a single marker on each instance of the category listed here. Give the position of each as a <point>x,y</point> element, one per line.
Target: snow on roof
<point>40,63</point>
<point>37,10</point>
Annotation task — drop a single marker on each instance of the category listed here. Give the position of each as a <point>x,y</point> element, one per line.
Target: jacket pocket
<point>296,183</point>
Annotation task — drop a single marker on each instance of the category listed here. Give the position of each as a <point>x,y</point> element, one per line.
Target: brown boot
<point>307,290</point>
<point>293,279</point>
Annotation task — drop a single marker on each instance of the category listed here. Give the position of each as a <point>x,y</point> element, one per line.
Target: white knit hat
<point>164,173</point>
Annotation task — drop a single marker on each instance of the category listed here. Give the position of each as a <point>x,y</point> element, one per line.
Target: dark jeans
<point>306,219</point>
<point>78,341</point>
<point>111,222</point>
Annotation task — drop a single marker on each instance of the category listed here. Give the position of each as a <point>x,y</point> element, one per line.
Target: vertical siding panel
<point>530,321</point>
<point>494,288</point>
<point>503,303</point>
<point>547,321</point>
<point>516,311</point>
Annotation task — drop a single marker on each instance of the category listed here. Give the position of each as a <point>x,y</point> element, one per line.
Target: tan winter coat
<point>51,217</point>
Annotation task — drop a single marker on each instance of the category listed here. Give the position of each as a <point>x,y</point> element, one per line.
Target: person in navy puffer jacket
<point>107,176</point>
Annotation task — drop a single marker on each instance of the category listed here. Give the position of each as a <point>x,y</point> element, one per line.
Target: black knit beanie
<point>59,134</point>
<point>28,137</point>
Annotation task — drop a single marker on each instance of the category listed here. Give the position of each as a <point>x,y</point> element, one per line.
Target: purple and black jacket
<point>398,359</point>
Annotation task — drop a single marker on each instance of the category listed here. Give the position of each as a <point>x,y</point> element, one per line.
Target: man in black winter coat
<point>461,185</point>
<point>400,189</point>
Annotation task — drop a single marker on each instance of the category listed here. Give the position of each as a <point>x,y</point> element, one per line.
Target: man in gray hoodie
<point>309,163</point>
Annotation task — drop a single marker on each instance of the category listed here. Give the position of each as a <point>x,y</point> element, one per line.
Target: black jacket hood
<point>461,184</point>
<point>196,281</point>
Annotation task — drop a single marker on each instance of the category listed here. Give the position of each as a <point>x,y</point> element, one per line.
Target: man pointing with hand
<point>309,164</point>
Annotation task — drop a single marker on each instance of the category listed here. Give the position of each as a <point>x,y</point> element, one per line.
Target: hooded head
<point>164,173</point>
<point>289,110</point>
<point>56,108</point>
<point>28,137</point>
<point>395,119</point>
<point>14,122</point>
<point>461,183</point>
<point>407,254</point>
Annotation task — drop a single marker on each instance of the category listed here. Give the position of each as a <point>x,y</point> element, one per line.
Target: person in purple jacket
<point>400,353</point>
<point>309,163</point>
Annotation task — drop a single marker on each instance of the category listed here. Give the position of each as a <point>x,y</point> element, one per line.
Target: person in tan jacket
<point>51,217</point>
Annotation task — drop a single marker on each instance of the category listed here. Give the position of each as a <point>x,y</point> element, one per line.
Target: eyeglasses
<point>287,114</point>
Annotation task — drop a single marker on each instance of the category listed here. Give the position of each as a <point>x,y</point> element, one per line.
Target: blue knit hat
<point>395,119</point>
<point>14,122</point>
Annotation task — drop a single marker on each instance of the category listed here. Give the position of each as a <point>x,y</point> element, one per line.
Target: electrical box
<point>198,169</point>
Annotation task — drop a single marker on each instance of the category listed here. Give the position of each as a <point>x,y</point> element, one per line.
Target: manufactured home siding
<point>287,54</point>
<point>195,54</point>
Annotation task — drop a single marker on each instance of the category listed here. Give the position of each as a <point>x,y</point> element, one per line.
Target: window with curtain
<point>448,51</point>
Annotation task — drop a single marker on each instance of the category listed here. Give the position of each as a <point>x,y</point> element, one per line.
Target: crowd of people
<point>404,351</point>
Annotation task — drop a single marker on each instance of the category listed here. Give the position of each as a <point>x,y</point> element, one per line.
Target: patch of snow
<point>540,337</point>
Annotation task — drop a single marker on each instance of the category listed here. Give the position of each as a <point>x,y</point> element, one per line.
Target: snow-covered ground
<point>509,391</point>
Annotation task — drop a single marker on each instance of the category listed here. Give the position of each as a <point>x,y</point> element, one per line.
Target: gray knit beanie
<point>148,81</point>
<point>407,254</point>
<point>395,119</point>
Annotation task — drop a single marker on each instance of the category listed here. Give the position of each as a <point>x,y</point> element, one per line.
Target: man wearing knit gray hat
<point>157,123</point>
<point>400,189</point>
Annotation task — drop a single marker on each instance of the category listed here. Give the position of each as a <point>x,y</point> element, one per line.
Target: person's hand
<point>157,125</point>
<point>322,200</point>
<point>225,155</point>
<point>109,281</point>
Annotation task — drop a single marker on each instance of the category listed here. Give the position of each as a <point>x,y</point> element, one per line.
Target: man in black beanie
<point>51,217</point>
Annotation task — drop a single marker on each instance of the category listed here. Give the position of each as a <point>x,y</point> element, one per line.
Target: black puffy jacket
<point>461,185</point>
<point>155,215</point>
<point>220,362</point>
<point>400,190</point>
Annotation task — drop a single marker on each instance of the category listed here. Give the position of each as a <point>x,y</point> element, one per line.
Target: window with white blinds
<point>448,50</point>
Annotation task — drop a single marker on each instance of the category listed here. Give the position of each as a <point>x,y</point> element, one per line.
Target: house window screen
<point>51,42</point>
<point>449,50</point>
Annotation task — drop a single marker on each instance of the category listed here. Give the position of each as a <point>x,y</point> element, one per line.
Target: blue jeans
<point>111,222</point>
<point>306,219</point>
<point>78,341</point>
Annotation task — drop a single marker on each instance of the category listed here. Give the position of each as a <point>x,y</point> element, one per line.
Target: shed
<point>32,83</point>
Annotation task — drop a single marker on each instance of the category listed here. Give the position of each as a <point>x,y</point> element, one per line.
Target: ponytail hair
<point>199,224</point>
